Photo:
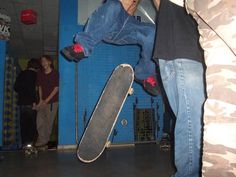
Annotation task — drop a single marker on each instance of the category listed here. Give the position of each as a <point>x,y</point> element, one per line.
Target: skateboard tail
<point>106,112</point>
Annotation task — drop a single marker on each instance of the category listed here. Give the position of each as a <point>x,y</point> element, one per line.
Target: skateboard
<point>105,114</point>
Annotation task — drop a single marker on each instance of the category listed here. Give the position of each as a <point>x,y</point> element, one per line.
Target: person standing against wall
<point>48,86</point>
<point>25,86</point>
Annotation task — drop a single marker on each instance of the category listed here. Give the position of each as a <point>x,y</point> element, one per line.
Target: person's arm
<point>51,95</point>
<point>41,102</point>
<point>47,100</point>
<point>40,93</point>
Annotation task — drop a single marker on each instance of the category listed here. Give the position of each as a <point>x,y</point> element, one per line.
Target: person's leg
<point>23,125</point>
<point>131,31</point>
<point>180,77</point>
<point>51,114</point>
<point>27,124</point>
<point>165,143</point>
<point>166,124</point>
<point>168,115</point>
<point>139,33</point>
<point>41,123</point>
<point>113,24</point>
<point>45,119</point>
<point>102,21</point>
<point>32,125</point>
<point>110,22</point>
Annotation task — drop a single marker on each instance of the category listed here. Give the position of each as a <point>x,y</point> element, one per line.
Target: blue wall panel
<point>2,65</point>
<point>93,72</point>
<point>67,27</point>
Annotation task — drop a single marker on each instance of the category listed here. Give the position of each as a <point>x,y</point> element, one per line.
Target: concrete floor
<point>135,161</point>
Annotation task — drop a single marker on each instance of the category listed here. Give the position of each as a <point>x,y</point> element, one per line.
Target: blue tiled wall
<point>93,72</point>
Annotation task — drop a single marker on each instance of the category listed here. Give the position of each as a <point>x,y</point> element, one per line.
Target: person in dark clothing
<point>25,86</point>
<point>180,57</point>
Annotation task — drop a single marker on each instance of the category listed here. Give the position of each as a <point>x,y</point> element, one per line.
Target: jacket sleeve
<point>17,84</point>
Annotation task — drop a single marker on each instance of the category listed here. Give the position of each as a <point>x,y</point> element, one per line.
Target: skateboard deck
<point>105,114</point>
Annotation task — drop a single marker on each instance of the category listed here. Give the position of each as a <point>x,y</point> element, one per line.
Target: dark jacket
<point>25,86</point>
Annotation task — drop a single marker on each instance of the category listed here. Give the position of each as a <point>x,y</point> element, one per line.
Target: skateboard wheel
<point>108,144</point>
<point>131,91</point>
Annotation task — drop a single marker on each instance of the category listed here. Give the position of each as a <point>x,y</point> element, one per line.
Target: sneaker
<point>74,52</point>
<point>150,85</point>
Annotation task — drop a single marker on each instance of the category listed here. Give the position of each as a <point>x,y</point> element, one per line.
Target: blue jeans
<point>112,24</point>
<point>184,85</point>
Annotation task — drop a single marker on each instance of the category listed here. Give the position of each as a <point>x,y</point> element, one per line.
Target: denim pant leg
<point>133,31</point>
<point>102,21</point>
<point>111,23</point>
<point>184,85</point>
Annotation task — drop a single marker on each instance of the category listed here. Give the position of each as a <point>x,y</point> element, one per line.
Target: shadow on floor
<point>138,161</point>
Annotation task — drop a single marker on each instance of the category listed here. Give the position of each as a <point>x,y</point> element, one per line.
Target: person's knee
<point>148,36</point>
<point>151,31</point>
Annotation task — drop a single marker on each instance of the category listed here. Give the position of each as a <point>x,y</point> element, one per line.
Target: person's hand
<point>34,106</point>
<point>41,104</point>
